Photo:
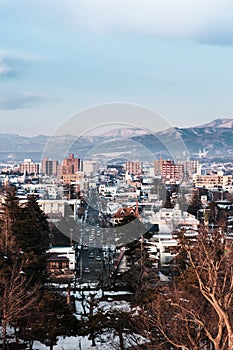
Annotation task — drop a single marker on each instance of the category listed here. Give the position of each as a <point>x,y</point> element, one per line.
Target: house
<point>170,219</point>
<point>124,214</point>
<point>58,266</point>
<point>67,252</point>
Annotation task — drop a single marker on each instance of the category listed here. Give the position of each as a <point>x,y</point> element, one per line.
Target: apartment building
<point>90,167</point>
<point>75,179</point>
<point>28,167</point>
<point>49,167</point>
<point>212,181</point>
<point>168,170</point>
<point>71,170</point>
<point>71,165</point>
<point>134,168</point>
<point>191,167</point>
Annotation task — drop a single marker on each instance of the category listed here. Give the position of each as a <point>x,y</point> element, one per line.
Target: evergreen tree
<point>57,238</point>
<point>53,318</point>
<point>168,203</point>
<point>17,295</point>
<point>141,276</point>
<point>24,303</point>
<point>30,229</point>
<point>195,203</point>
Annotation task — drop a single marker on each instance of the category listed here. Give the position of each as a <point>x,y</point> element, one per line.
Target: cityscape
<point>116,175</point>
<point>102,220</point>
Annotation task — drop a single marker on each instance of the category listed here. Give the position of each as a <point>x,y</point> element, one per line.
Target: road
<point>94,265</point>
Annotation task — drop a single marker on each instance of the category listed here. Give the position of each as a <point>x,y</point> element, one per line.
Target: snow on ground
<point>122,305</point>
<point>105,306</point>
<point>164,278</point>
<point>68,343</point>
<point>106,341</point>
<point>112,293</point>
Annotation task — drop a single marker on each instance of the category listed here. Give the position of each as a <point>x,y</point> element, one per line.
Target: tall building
<point>158,166</point>
<point>49,167</point>
<point>172,172</point>
<point>71,165</point>
<point>191,167</point>
<point>28,167</point>
<point>134,168</point>
<point>71,170</point>
<point>168,170</point>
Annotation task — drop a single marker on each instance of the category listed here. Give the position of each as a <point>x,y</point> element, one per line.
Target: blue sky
<point>59,57</point>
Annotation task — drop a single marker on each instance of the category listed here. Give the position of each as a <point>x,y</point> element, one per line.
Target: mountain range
<point>213,140</point>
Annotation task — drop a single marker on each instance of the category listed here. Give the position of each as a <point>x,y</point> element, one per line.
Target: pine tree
<point>24,302</point>
<point>17,296</point>
<point>53,318</point>
<point>30,229</point>
<point>195,203</point>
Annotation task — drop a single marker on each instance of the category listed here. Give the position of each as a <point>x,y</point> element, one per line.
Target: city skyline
<point>57,59</point>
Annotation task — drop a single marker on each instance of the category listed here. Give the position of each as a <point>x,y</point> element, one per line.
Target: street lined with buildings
<point>96,199</point>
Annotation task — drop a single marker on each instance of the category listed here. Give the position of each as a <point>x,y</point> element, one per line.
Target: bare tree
<point>196,310</point>
<point>17,296</point>
<point>17,299</point>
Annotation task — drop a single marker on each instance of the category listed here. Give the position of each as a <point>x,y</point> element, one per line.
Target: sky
<point>58,58</point>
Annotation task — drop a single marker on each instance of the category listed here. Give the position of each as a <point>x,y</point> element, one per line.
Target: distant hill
<point>218,123</point>
<point>215,137</point>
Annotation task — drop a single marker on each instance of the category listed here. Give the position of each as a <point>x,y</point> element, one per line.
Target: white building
<point>213,181</point>
<point>90,167</point>
<point>107,190</point>
<point>166,244</point>
<point>170,219</point>
<point>53,207</point>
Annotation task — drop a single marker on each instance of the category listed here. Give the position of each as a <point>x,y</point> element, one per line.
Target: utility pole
<point>81,268</point>
<point>141,255</point>
<point>71,236</point>
<point>68,294</point>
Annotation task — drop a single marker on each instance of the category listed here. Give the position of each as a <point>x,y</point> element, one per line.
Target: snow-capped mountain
<point>215,137</point>
<point>218,123</point>
<point>124,133</point>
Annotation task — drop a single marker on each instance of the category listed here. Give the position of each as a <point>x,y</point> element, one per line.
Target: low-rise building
<point>212,181</point>
<point>64,252</point>
<point>169,220</point>
<point>90,167</point>
<point>51,207</point>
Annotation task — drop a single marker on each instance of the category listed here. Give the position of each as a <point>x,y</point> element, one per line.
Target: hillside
<point>216,138</point>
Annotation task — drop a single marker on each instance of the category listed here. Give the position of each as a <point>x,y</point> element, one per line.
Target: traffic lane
<point>90,264</point>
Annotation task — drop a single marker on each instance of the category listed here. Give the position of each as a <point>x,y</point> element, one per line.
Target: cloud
<point>205,21</point>
<point>23,100</point>
<point>7,64</point>
<point>5,69</point>
<point>210,21</point>
<point>11,61</point>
